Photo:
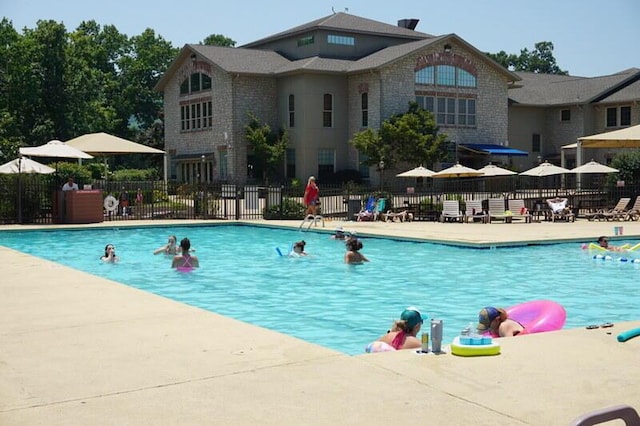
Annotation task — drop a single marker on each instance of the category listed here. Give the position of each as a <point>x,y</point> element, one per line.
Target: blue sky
<point>591,37</point>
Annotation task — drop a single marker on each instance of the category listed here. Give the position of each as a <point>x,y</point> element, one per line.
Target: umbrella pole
<point>19,192</point>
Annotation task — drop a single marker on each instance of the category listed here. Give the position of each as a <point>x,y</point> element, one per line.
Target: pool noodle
<point>629,334</point>
<point>279,252</point>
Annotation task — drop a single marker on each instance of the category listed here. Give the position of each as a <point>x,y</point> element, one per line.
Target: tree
<point>540,60</point>
<point>629,165</point>
<point>218,40</point>
<point>268,147</point>
<point>411,137</point>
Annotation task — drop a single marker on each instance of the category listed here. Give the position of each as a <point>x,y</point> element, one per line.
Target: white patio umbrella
<point>417,173</point>
<point>594,167</point>
<point>55,149</point>
<point>545,169</point>
<point>457,171</point>
<point>493,170</point>
<point>25,165</point>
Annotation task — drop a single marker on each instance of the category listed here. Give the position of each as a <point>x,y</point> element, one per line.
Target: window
<point>196,116</point>
<point>291,163</point>
<point>612,117</point>
<point>362,167</point>
<point>344,40</point>
<point>327,110</point>
<point>535,142</point>
<point>625,116</point>
<point>467,112</point>
<point>364,105</point>
<point>196,82</point>
<point>223,164</point>
<point>450,111</point>
<point>326,162</point>
<point>292,111</point>
<point>445,75</point>
<point>565,115</point>
<point>304,41</point>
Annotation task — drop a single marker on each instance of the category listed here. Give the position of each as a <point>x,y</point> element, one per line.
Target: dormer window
<point>304,41</point>
<point>343,40</point>
<point>445,75</point>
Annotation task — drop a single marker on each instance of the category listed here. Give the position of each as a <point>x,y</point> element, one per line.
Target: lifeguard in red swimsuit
<point>311,196</point>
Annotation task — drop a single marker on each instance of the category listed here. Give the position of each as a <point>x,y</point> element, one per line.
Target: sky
<point>590,37</point>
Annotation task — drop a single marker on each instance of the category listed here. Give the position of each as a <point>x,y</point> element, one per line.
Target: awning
<point>491,149</point>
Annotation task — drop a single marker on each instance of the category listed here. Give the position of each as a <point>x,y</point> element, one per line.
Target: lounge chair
<point>559,210</point>
<point>474,211</point>
<point>367,210</point>
<point>616,213</point>
<point>372,213</point>
<point>403,216</point>
<point>519,211</point>
<point>451,211</point>
<point>634,212</point>
<point>497,210</point>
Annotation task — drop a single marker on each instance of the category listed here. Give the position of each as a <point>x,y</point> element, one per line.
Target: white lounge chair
<point>519,211</point>
<point>497,210</point>
<point>474,211</point>
<point>451,211</point>
<point>560,210</point>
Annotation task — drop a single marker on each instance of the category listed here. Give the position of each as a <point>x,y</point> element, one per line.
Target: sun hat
<point>486,317</point>
<point>339,229</point>
<point>412,316</point>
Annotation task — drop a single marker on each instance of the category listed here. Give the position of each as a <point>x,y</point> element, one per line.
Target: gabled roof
<point>549,89</point>
<point>345,22</point>
<point>629,94</point>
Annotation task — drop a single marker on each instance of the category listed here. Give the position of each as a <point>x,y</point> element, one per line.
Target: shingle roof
<point>550,89</point>
<point>341,21</point>
<point>245,61</point>
<point>628,94</point>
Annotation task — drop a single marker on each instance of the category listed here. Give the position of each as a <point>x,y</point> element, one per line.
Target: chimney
<point>409,24</point>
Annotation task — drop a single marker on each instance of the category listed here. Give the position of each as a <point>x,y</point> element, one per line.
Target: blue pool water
<point>321,300</point>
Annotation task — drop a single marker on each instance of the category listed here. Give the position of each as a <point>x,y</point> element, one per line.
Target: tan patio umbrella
<point>417,173</point>
<point>545,169</point>
<point>493,170</point>
<point>55,149</point>
<point>25,165</point>
<point>457,171</point>
<point>594,167</point>
<point>106,144</point>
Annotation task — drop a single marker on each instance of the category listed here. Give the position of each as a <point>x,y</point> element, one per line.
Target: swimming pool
<point>321,300</point>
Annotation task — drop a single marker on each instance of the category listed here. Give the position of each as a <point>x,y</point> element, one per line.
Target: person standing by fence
<point>311,196</point>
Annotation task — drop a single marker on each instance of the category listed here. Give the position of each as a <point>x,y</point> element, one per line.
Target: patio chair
<point>402,216</point>
<point>559,210</point>
<point>519,211</point>
<point>474,211</point>
<point>497,210</point>
<point>451,212</point>
<point>375,213</point>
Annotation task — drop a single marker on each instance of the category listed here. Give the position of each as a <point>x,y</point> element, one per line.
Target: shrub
<point>291,209</point>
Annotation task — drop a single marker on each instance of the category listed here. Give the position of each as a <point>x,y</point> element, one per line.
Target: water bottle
<point>466,331</point>
<point>436,335</point>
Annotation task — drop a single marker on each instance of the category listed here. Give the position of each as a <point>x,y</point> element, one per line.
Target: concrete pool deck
<point>81,350</point>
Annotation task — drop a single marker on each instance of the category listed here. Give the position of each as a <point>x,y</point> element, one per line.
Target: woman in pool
<point>604,243</point>
<point>497,321</point>
<point>298,249</point>
<point>353,255</point>
<point>110,254</point>
<point>403,332</point>
<point>185,261</point>
<point>170,248</point>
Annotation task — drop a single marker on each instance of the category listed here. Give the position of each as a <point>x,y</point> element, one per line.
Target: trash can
<point>353,208</point>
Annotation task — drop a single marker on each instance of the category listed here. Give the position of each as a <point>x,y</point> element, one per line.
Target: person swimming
<point>298,249</point>
<point>185,261</point>
<point>110,254</point>
<point>170,249</point>
<point>353,255</point>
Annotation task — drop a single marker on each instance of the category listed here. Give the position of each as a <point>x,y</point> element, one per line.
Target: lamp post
<point>202,177</point>
<point>381,168</point>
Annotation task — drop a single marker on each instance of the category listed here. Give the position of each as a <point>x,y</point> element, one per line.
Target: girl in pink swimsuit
<point>184,261</point>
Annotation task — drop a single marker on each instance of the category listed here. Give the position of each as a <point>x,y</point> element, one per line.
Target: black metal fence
<point>30,198</point>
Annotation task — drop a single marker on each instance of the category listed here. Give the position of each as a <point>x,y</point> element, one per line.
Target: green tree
<point>268,147</point>
<point>629,165</point>
<point>218,40</point>
<point>411,137</point>
<point>540,60</point>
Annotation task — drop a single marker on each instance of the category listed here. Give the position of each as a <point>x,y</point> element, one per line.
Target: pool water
<point>321,300</point>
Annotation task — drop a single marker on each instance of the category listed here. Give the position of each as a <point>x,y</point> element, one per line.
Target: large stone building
<point>326,80</point>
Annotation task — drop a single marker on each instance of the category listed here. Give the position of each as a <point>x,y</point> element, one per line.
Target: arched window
<point>445,75</point>
<point>196,82</point>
